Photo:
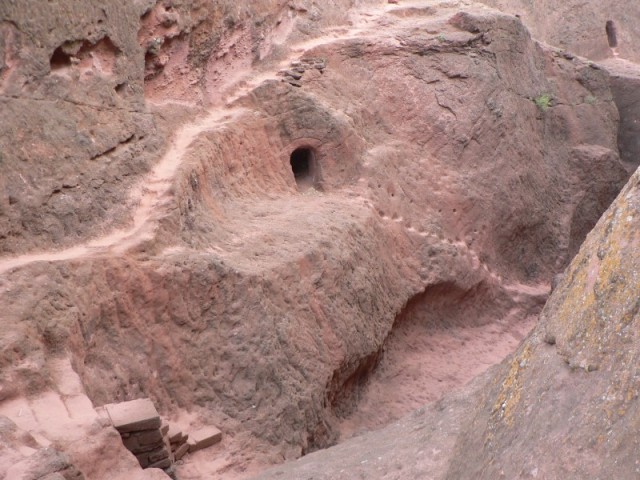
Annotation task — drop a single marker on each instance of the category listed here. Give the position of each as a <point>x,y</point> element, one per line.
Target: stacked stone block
<point>142,432</point>
<point>203,438</point>
<point>155,443</point>
<point>178,442</point>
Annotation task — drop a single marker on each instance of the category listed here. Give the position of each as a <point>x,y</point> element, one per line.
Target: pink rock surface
<point>153,226</point>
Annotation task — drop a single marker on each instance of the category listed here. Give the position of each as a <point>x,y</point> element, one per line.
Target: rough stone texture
<point>579,26</point>
<point>198,48</point>
<point>78,132</point>
<point>566,404</point>
<point>459,162</point>
<point>417,446</point>
<point>625,81</point>
<point>563,406</point>
<point>45,463</point>
<point>53,433</point>
<point>72,81</point>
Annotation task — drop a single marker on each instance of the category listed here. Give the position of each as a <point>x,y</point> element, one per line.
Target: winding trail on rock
<point>410,377</point>
<point>150,199</point>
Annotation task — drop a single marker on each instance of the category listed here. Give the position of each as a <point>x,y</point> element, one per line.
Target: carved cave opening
<point>303,166</point>
<point>612,35</point>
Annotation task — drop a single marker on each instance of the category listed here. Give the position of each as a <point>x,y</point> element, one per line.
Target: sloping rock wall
<point>73,80</point>
<point>452,151</point>
<point>566,403</point>
<point>75,132</point>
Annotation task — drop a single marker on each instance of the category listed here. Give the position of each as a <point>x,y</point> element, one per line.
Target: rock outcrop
<point>588,28</point>
<point>424,157</point>
<point>563,406</point>
<point>75,132</point>
<point>566,404</point>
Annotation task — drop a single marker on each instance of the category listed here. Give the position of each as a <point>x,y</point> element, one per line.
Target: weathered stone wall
<point>75,133</point>
<point>579,26</point>
<point>566,403</point>
<point>452,150</point>
<point>267,302</point>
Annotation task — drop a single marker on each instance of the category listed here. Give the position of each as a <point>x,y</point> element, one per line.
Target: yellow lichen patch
<point>602,296</point>
<point>631,395</point>
<point>511,391</point>
<point>579,298</point>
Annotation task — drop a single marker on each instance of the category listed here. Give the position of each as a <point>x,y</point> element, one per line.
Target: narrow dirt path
<point>150,200</point>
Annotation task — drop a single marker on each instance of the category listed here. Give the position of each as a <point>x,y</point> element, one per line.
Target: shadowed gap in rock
<point>612,36</point>
<point>60,59</point>
<point>302,162</point>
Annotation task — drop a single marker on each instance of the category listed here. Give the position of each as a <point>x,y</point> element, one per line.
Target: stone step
<point>134,416</point>
<point>203,438</point>
<point>175,434</point>
<point>181,451</point>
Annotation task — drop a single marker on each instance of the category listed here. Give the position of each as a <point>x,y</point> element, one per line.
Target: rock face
<point>75,132</point>
<point>625,80</point>
<point>419,445</point>
<point>57,434</point>
<point>581,26</point>
<point>418,159</point>
<point>73,80</point>
<point>563,406</point>
<point>566,403</point>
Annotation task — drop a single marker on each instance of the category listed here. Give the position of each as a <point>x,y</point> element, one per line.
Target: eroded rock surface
<point>451,166</point>
<point>566,403</point>
<point>589,28</point>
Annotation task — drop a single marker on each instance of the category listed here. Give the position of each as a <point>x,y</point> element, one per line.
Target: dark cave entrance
<point>60,59</point>
<point>612,35</point>
<point>303,166</point>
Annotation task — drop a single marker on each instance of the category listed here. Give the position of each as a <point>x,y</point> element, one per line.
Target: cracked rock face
<point>154,230</point>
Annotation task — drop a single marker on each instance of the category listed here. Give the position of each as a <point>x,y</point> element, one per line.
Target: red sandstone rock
<point>580,27</point>
<point>453,166</point>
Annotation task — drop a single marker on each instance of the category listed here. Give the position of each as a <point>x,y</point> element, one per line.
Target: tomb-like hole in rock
<point>612,36</point>
<point>85,56</point>
<point>303,166</point>
<point>59,59</point>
